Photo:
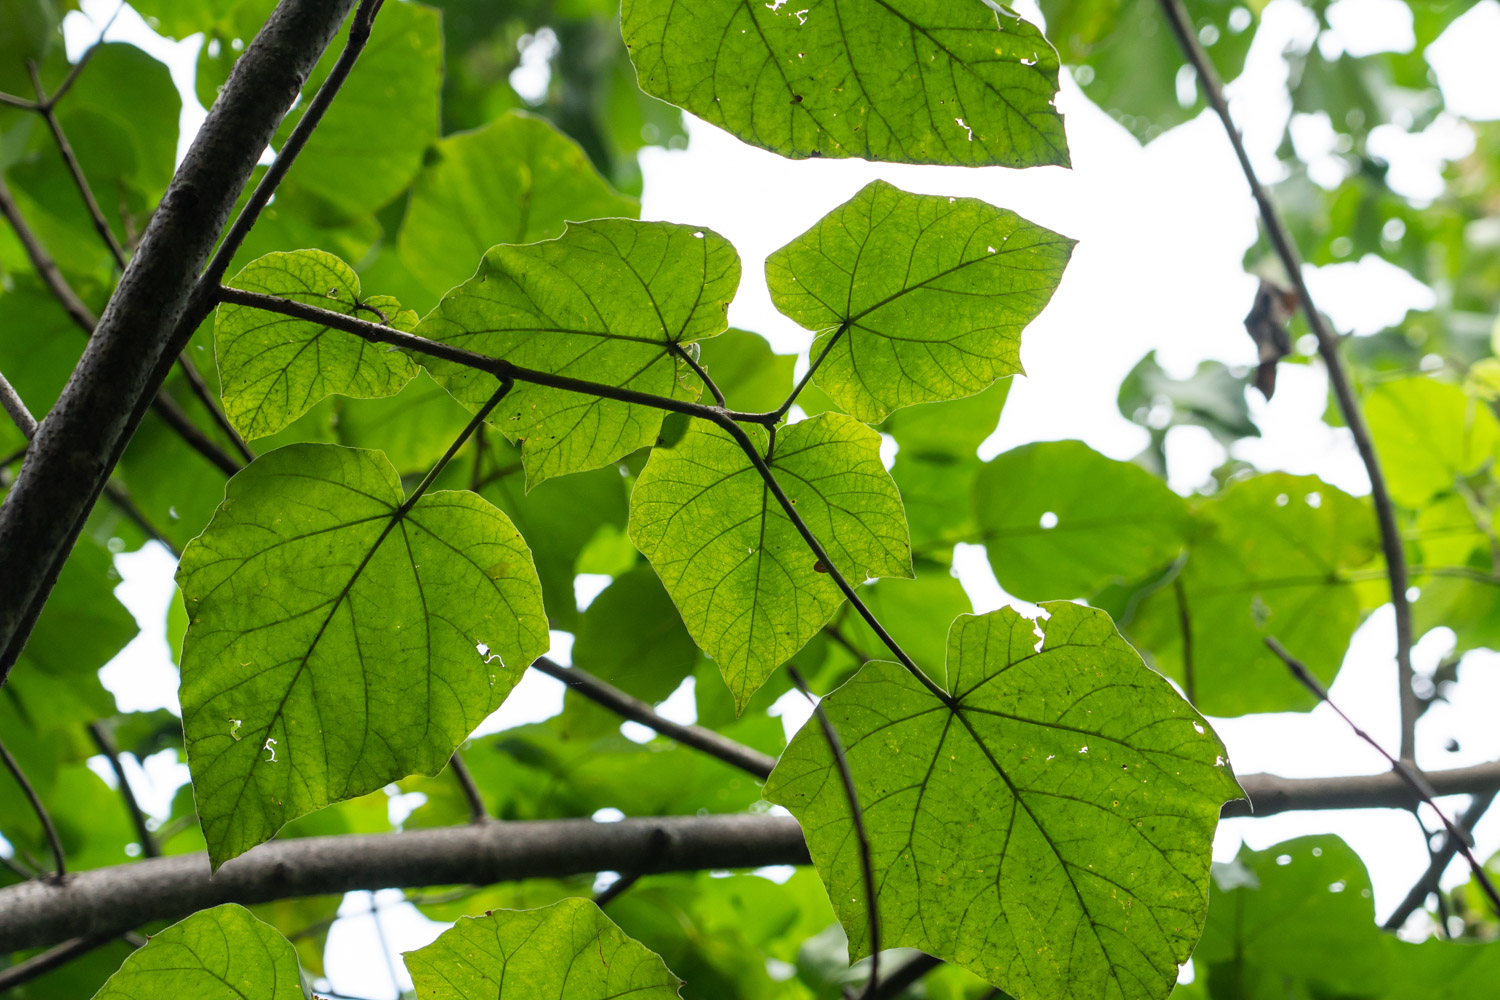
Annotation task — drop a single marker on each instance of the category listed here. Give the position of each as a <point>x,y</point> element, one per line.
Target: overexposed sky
<point>1162,231</point>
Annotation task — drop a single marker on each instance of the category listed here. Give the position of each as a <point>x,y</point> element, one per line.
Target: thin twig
<point>106,745</point>
<point>1408,774</point>
<point>477,812</point>
<point>359,34</point>
<point>616,889</point>
<point>1441,858</point>
<point>200,389</point>
<point>904,975</point>
<point>45,266</point>
<point>83,60</point>
<point>857,814</point>
<point>53,840</point>
<point>12,403</point>
<point>75,169</point>
<point>747,759</point>
<point>121,499</point>
<point>1185,625</point>
<point>52,958</point>
<point>1338,377</point>
<point>164,406</point>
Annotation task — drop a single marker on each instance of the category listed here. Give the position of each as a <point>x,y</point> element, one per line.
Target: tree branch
<point>148,319</point>
<point>110,900</point>
<point>1338,376</point>
<point>56,958</point>
<point>1441,858</point>
<point>13,405</point>
<point>477,812</point>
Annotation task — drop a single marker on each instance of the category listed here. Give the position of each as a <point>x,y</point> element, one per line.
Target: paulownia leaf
<point>1059,519</point>
<point>339,641</point>
<point>1046,826</point>
<point>273,368</point>
<point>1270,557</point>
<point>911,81</point>
<point>1429,434</point>
<point>609,301</point>
<point>569,949</point>
<point>927,295</point>
<point>212,955</point>
<point>517,180</point>
<point>749,589</point>
<point>1294,920</point>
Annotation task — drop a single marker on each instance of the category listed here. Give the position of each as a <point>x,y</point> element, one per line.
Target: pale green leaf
<point>273,368</point>
<point>569,949</point>
<point>1272,555</point>
<point>926,295</point>
<point>218,954</point>
<point>911,81</point>
<point>1429,435</point>
<point>1058,519</point>
<point>611,301</point>
<point>750,590</point>
<point>366,640</point>
<point>1046,826</point>
<point>517,180</point>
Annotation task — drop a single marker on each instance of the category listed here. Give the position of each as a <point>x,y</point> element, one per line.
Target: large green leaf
<point>750,590</point>
<point>517,180</point>
<point>1297,914</point>
<point>1058,519</point>
<point>912,81</point>
<point>1429,434</point>
<point>1272,555</point>
<point>365,639</point>
<point>212,955</point>
<point>927,295</point>
<point>569,949</point>
<point>1046,826</point>
<point>610,301</point>
<point>273,368</point>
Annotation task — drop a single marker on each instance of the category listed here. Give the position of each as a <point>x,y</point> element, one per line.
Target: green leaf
<point>1046,827</point>
<point>909,81</point>
<point>930,293</point>
<point>369,145</point>
<point>1059,519</point>
<point>328,618</point>
<point>517,180</point>
<point>211,955</point>
<point>609,301</point>
<point>1299,912</point>
<point>1271,556</point>
<point>750,590</point>
<point>569,949</point>
<point>1429,434</point>
<point>273,368</point>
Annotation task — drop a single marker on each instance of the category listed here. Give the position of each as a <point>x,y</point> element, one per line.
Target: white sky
<point>1162,231</point>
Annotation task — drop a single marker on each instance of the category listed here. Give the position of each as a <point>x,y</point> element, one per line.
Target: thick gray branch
<point>122,366</point>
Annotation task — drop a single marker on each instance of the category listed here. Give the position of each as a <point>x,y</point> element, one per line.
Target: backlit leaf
<point>338,641</point>
<point>212,955</point>
<point>750,590</point>
<point>911,81</point>
<point>1047,826</point>
<point>930,293</point>
<point>273,368</point>
<point>1429,434</point>
<point>569,949</point>
<point>609,301</point>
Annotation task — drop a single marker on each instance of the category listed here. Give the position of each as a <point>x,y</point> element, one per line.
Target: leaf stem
<point>506,384</point>
<point>1338,376</point>
<point>702,374</point>
<point>1413,778</point>
<point>812,367</point>
<point>53,840</point>
<point>857,814</point>
<point>1441,858</point>
<point>106,745</point>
